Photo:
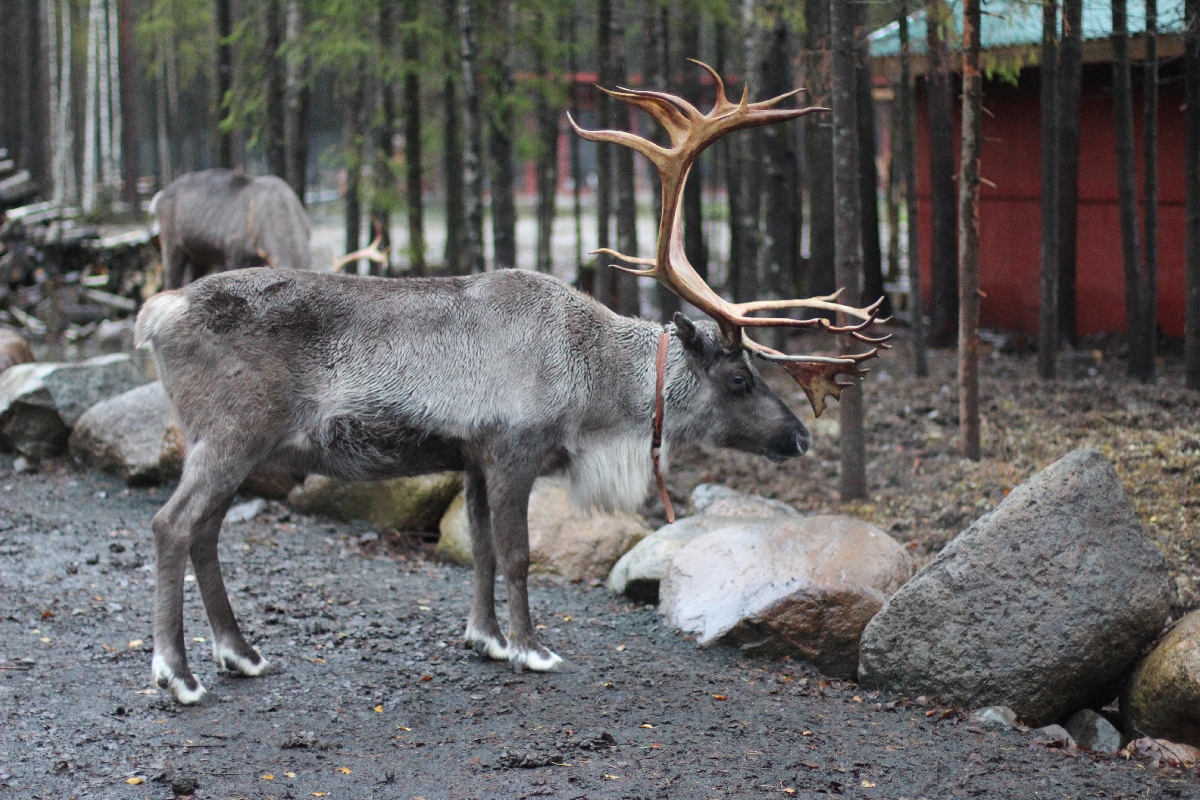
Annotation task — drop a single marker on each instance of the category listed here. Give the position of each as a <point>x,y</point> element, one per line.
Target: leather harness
<point>660,369</point>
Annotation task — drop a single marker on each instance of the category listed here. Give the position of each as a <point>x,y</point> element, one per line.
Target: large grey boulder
<point>1162,698</point>
<point>803,586</point>
<point>40,403</point>
<point>563,540</point>
<point>133,436</point>
<point>1041,605</point>
<point>415,503</point>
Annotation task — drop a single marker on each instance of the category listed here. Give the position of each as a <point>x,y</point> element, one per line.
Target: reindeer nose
<point>803,440</point>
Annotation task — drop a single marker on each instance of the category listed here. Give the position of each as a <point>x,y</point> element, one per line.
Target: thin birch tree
<point>943,245</point>
<point>1147,338</point>
<point>908,158</point>
<point>1070,76</point>
<point>473,149</point>
<point>1048,335</point>
<point>414,172</point>
<point>1191,70</point>
<point>1126,188</point>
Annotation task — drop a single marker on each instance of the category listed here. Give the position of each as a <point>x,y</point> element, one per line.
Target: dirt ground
<point>372,695</point>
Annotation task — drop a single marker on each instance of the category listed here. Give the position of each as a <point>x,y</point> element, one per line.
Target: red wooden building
<point>1010,212</point>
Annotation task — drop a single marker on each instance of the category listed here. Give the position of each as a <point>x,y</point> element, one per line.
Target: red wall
<point>1010,213</point>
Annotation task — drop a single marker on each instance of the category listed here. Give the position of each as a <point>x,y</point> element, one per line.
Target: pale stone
<point>401,503</point>
<point>1162,699</point>
<point>804,587</point>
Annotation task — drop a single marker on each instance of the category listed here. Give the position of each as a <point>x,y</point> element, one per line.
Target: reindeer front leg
<point>508,498</point>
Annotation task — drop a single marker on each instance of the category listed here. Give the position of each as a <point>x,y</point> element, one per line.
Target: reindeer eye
<point>738,383</point>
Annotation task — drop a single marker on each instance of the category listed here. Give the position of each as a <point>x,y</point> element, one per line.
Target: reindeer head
<point>691,132</point>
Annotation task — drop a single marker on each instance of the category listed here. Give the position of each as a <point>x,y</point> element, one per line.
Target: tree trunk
<point>895,186</point>
<point>908,143</point>
<point>750,165</point>
<point>1070,82</point>
<point>90,112</point>
<point>668,301</point>
<point>414,174</point>
<point>354,136</point>
<point>1126,177</point>
<point>941,176</point>
<point>779,171</point>
<point>819,145</point>
<point>693,193</point>
<point>500,140</point>
<point>274,68</point>
<point>162,128</point>
<point>453,257</point>
<point>547,157</point>
<point>868,170</point>
<point>968,236</point>
<point>1147,339</point>
<point>847,236</point>
<point>223,138</point>
<point>129,104</point>
<point>473,151</point>
<point>625,288</point>
<point>297,102</point>
<point>600,279</point>
<point>1048,311</point>
<point>729,154</point>
<point>576,163</point>
<point>1191,70</point>
<point>384,196</point>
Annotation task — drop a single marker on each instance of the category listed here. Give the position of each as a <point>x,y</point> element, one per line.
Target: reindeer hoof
<point>185,689</point>
<point>539,660</point>
<point>487,646</point>
<point>234,663</point>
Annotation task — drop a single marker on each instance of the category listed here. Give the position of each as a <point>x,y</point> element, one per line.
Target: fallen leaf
<point>867,784</point>
<point>401,727</point>
<point>612,777</point>
<point>289,774</point>
<point>268,777</point>
<point>148,691</point>
<point>47,614</point>
<point>198,639</point>
<point>656,746</point>
<point>788,790</point>
<point>426,678</point>
<point>608,686</point>
<point>319,794</point>
<point>378,709</point>
<point>620,647</point>
<point>44,640</point>
<point>810,764</point>
<point>136,643</point>
<point>108,649</point>
<point>651,727</point>
<point>857,699</point>
<point>344,770</point>
<point>807,733</point>
<point>719,697</point>
<point>134,781</point>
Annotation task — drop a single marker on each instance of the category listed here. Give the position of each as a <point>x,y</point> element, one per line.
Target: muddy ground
<point>372,695</point>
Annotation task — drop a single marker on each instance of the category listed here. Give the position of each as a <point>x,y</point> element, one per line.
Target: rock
<point>994,717</point>
<point>783,586</point>
<point>1054,736</point>
<point>1042,605</point>
<point>1162,699</point>
<point>1163,752</point>
<point>244,512</point>
<point>40,403</point>
<point>13,350</point>
<point>721,501</point>
<point>132,436</point>
<point>579,545</point>
<point>1094,732</point>
<point>639,572</point>
<point>402,503</point>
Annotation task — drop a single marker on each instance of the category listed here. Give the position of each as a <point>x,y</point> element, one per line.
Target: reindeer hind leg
<point>483,630</point>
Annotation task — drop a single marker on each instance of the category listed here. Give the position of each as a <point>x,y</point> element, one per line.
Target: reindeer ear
<point>685,329</point>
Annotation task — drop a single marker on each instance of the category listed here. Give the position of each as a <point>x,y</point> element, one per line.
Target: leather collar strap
<point>660,369</point>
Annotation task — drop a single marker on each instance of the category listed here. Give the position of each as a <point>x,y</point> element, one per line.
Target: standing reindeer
<point>219,219</point>
<point>506,376</point>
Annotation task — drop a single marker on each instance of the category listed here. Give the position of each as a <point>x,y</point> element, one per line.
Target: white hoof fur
<point>487,646</point>
<point>230,661</point>
<point>533,660</point>
<point>165,677</point>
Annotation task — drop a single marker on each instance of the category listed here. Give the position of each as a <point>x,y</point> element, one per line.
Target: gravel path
<point>372,695</point>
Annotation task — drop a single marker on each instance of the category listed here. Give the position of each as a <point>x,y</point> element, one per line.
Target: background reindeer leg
<point>483,630</point>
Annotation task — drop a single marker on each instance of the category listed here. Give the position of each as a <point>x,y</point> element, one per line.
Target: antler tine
<point>690,133</point>
<point>371,252</point>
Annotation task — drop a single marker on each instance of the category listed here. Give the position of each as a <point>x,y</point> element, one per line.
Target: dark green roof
<point>1008,23</point>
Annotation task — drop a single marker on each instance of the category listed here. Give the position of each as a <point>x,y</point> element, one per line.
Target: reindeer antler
<point>691,132</point>
<point>371,252</point>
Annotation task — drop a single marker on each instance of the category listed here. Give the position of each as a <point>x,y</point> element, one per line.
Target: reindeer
<point>219,220</point>
<point>505,375</point>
